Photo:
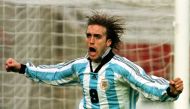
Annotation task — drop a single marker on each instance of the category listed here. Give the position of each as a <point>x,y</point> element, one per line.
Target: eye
<point>97,36</point>
<point>88,35</point>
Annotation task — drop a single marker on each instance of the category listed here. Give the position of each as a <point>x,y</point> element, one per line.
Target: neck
<point>103,55</point>
<point>106,52</point>
<point>103,61</point>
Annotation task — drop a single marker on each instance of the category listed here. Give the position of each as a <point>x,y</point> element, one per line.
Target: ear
<point>109,42</point>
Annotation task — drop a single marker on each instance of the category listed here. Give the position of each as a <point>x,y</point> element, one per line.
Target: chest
<point>106,83</point>
<point>103,80</point>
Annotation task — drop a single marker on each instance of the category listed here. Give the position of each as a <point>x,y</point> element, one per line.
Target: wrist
<point>171,94</point>
<point>18,66</point>
<point>22,68</point>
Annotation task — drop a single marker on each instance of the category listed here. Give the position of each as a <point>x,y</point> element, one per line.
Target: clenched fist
<point>176,86</point>
<point>12,65</point>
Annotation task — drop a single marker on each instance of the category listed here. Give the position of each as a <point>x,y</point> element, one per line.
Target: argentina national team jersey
<point>114,84</point>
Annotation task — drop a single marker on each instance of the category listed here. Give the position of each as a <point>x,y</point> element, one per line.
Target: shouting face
<point>97,42</point>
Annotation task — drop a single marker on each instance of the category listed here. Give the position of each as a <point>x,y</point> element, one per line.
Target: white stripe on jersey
<point>86,84</point>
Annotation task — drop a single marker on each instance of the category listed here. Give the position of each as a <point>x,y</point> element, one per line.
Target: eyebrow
<point>88,34</point>
<point>93,34</point>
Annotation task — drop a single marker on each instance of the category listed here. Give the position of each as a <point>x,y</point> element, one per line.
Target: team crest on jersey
<point>104,84</point>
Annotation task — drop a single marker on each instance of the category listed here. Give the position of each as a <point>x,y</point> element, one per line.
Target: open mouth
<point>91,49</point>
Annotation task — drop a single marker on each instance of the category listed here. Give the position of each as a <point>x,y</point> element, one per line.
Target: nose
<point>92,40</point>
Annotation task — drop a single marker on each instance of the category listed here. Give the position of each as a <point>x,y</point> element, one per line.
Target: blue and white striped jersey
<point>116,85</point>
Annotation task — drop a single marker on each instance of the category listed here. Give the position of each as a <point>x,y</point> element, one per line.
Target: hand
<point>176,86</point>
<point>12,65</point>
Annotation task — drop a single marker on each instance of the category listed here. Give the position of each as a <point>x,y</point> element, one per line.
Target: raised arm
<point>59,74</point>
<point>152,87</point>
<point>157,88</point>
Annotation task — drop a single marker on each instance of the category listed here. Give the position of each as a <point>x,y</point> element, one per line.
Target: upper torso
<point>115,86</point>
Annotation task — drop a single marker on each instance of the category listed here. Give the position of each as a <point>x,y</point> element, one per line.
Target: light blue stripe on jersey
<point>80,69</point>
<point>133,97</point>
<point>93,85</point>
<point>112,97</point>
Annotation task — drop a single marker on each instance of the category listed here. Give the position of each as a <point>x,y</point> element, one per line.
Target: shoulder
<point>77,60</point>
<point>122,60</point>
<point>126,63</point>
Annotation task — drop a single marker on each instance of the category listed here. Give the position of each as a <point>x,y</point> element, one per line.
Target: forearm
<point>157,91</point>
<point>152,87</point>
<point>50,74</point>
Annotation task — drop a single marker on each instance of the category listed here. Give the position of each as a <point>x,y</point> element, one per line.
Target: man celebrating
<point>108,80</point>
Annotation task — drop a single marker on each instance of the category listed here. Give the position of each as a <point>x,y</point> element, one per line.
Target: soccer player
<point>108,80</point>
